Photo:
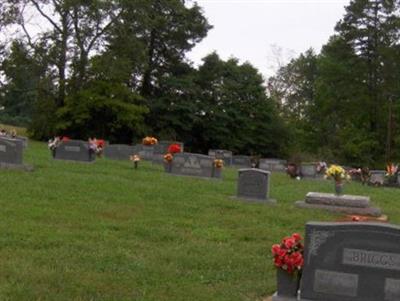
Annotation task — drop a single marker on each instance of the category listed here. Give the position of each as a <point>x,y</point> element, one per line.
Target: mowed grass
<point>104,231</point>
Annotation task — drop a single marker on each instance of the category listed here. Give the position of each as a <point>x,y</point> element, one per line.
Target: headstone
<point>308,170</point>
<point>241,161</point>
<point>145,152</point>
<point>273,164</point>
<point>118,151</point>
<point>189,164</point>
<point>11,151</point>
<point>377,177</point>
<point>349,204</point>
<point>74,150</point>
<point>350,262</point>
<point>253,185</point>
<point>11,154</point>
<point>161,149</point>
<point>222,154</point>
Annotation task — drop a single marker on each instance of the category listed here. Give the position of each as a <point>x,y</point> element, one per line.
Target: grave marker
<point>74,150</point>
<point>253,185</point>
<point>198,165</point>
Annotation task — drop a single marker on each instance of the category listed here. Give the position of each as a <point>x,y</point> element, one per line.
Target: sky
<point>267,33</point>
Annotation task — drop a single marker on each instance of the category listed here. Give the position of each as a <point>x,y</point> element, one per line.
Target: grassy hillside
<point>104,231</point>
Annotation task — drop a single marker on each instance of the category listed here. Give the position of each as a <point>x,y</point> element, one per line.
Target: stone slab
<point>334,200</point>
<point>372,211</point>
<point>23,167</point>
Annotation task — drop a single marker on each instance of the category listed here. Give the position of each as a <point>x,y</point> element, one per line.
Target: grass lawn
<point>104,231</point>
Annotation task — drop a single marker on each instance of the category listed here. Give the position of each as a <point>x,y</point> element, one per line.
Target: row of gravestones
<point>348,262</point>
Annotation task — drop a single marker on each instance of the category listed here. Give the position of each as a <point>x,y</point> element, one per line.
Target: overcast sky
<point>246,29</point>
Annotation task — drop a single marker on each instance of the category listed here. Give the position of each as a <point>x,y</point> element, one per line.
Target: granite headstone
<point>350,262</point>
<point>11,151</point>
<point>197,165</point>
<point>118,151</point>
<point>74,150</point>
<point>222,154</point>
<point>253,185</point>
<point>241,161</point>
<point>273,165</point>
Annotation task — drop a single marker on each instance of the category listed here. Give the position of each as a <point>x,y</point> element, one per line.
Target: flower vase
<point>338,188</point>
<point>287,284</point>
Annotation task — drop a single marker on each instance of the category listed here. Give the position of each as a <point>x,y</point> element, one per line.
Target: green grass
<point>104,231</point>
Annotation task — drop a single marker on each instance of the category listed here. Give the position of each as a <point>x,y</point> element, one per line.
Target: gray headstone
<point>118,151</point>
<point>194,165</point>
<point>145,152</point>
<point>222,154</point>
<point>11,151</point>
<point>351,262</point>
<point>241,161</point>
<point>253,184</point>
<point>308,170</point>
<point>74,150</point>
<point>377,177</point>
<point>273,164</point>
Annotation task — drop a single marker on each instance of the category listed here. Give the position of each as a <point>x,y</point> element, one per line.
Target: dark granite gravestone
<point>349,204</point>
<point>241,161</point>
<point>197,165</point>
<point>161,149</point>
<point>11,151</point>
<point>118,151</point>
<point>253,185</point>
<point>350,262</point>
<point>273,165</point>
<point>377,177</point>
<point>222,154</point>
<point>11,154</point>
<point>74,150</point>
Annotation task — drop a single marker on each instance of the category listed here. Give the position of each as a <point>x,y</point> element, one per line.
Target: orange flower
<point>168,158</point>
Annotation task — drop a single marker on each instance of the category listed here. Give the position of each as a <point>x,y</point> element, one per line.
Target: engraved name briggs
<point>389,261</point>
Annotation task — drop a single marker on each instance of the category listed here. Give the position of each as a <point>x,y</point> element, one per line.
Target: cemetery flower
<point>149,141</point>
<point>174,148</point>
<point>288,255</point>
<point>134,158</point>
<point>218,163</point>
<point>168,158</point>
<point>54,143</point>
<point>391,169</point>
<point>337,173</point>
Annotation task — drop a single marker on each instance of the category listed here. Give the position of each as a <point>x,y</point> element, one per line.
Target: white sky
<point>246,29</point>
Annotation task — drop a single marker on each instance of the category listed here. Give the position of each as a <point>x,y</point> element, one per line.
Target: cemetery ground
<point>104,231</point>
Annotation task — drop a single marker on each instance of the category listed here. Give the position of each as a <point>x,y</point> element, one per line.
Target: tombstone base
<point>77,161</point>
<point>254,200</point>
<point>22,167</point>
<point>275,297</point>
<point>370,211</point>
<point>194,177</point>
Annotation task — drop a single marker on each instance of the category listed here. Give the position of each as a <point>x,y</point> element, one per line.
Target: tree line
<point>118,70</point>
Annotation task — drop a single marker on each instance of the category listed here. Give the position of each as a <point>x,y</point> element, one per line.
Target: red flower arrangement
<point>288,255</point>
<point>65,139</point>
<point>174,148</point>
